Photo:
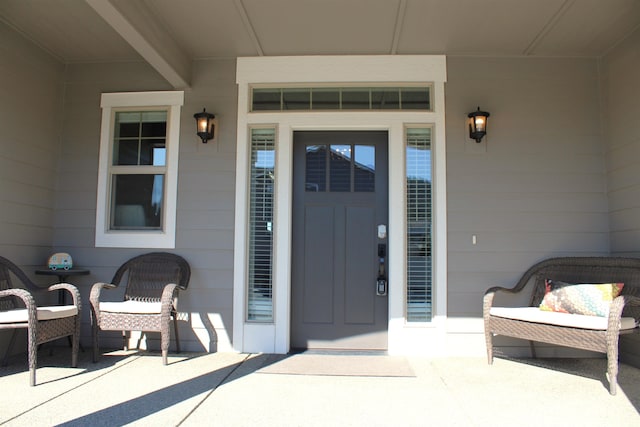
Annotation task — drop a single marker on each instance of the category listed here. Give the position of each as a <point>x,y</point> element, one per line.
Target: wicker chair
<point>18,310</point>
<point>153,281</point>
<point>571,270</point>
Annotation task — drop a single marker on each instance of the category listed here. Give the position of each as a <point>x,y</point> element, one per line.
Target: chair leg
<point>96,349</point>
<point>613,378</point>
<point>33,355</point>
<point>175,330</point>
<point>75,345</point>
<point>165,351</point>
<point>533,350</point>
<point>165,337</point>
<point>488,337</point>
<point>612,363</point>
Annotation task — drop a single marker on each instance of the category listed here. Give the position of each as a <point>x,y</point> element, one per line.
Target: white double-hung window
<point>138,169</point>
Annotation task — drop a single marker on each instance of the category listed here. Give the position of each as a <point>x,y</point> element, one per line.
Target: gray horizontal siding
<point>30,117</point>
<point>536,188</point>
<point>30,87</point>
<point>620,93</point>
<point>206,192</point>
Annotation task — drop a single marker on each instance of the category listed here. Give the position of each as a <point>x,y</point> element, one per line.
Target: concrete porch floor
<point>224,389</point>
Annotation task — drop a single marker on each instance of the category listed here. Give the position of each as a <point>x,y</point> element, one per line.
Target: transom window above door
<point>340,168</point>
<point>387,98</point>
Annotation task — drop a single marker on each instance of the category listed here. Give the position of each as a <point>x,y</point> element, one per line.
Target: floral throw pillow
<point>591,299</point>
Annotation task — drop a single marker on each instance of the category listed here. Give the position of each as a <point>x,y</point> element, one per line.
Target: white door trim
<point>274,337</point>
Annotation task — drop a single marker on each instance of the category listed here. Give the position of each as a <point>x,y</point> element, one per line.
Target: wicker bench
<point>602,339</point>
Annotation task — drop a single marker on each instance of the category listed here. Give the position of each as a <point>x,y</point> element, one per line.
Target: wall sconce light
<point>206,125</point>
<point>478,124</point>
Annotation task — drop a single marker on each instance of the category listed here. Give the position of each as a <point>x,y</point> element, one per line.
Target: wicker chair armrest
<point>619,304</point>
<point>27,298</point>
<point>94,296</point>
<point>169,296</point>
<point>495,289</point>
<point>169,301</point>
<point>71,289</point>
<point>616,308</point>
<point>23,294</point>
<point>487,300</point>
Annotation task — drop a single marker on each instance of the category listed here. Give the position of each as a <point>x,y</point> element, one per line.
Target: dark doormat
<point>338,365</point>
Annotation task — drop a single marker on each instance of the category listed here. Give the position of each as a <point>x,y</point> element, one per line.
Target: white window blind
<point>419,220</point>
<point>260,289</point>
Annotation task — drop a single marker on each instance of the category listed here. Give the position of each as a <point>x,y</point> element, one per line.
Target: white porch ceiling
<point>169,34</point>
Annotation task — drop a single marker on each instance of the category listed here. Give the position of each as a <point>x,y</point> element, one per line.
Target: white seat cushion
<point>131,307</point>
<point>43,313</point>
<point>534,314</point>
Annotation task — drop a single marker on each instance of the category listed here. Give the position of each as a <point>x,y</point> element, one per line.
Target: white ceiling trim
<point>402,7</point>
<point>33,40</point>
<point>548,27</point>
<point>148,39</point>
<point>248,26</point>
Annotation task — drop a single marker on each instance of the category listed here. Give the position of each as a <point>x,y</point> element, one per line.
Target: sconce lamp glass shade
<point>204,123</point>
<point>478,124</point>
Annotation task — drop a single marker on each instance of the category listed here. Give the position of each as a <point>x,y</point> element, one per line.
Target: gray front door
<point>339,245</point>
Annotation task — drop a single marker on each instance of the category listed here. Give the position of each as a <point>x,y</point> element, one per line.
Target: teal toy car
<point>60,261</point>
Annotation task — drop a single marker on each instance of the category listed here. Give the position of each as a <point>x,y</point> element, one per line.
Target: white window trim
<point>166,237</point>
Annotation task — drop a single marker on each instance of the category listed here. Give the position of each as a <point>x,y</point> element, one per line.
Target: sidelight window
<point>261,197</point>
<point>419,222</point>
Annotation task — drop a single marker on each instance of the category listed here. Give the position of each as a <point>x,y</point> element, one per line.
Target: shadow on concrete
<point>60,357</point>
<point>593,368</point>
<point>140,407</point>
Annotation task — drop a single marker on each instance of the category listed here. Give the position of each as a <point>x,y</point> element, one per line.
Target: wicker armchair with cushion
<point>152,282</point>
<point>18,310</point>
<point>580,302</point>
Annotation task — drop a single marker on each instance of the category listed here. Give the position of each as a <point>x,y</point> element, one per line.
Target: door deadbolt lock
<point>381,281</point>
